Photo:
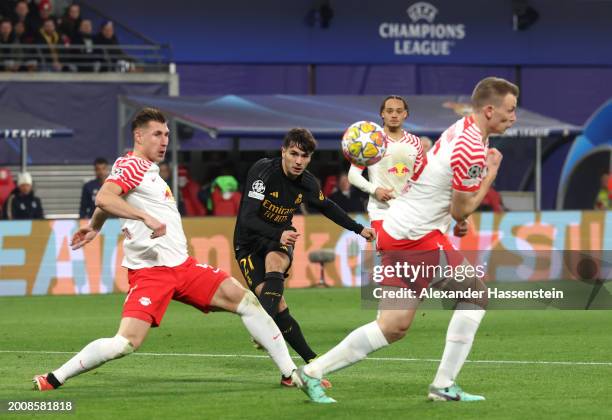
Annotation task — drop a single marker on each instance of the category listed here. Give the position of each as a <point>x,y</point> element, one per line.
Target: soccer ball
<point>364,143</point>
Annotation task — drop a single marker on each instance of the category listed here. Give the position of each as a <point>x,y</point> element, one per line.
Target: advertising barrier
<point>36,259</point>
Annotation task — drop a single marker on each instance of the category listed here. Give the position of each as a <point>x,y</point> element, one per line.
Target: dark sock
<point>293,335</point>
<point>272,292</point>
<point>53,380</point>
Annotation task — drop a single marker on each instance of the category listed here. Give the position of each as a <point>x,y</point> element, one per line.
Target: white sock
<point>264,330</point>
<point>459,337</point>
<point>93,355</point>
<point>355,347</point>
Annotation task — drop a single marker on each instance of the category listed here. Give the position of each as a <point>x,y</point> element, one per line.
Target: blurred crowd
<point>218,195</point>
<point>32,38</point>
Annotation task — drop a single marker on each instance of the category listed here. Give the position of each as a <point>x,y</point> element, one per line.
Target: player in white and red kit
<point>159,268</point>
<point>403,160</point>
<point>456,177</point>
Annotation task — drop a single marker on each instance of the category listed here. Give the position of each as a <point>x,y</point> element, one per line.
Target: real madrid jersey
<point>270,199</point>
<point>144,189</point>
<point>455,162</point>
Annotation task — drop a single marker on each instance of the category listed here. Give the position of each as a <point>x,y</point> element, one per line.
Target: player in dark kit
<point>264,237</point>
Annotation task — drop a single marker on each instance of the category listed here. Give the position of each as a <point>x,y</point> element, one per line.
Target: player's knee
<point>248,304</point>
<point>276,261</point>
<point>394,331</point>
<point>229,294</point>
<point>123,346</point>
<point>479,299</point>
<point>120,346</point>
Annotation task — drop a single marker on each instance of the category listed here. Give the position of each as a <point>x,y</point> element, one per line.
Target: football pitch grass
<point>529,364</point>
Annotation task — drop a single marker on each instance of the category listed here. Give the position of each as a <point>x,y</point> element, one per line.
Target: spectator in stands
<point>8,52</point>
<point>45,12</point>
<point>603,201</point>
<point>224,197</point>
<point>27,55</point>
<point>189,189</point>
<point>87,58</point>
<point>7,185</point>
<point>22,204</point>
<point>426,142</point>
<point>115,58</point>
<point>21,13</point>
<point>70,23</point>
<point>330,185</point>
<point>165,173</point>
<point>91,188</point>
<point>346,196</point>
<point>48,35</point>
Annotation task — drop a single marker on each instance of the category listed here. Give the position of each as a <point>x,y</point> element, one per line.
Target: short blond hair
<point>491,90</point>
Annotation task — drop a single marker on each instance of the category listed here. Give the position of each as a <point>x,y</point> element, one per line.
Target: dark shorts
<point>252,261</point>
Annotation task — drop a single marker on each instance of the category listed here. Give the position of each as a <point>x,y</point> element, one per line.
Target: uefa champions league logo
<point>422,35</point>
<point>259,186</point>
<point>422,11</point>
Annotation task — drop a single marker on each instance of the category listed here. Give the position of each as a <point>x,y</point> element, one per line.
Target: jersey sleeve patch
<point>128,173</point>
<point>467,163</point>
<point>257,190</point>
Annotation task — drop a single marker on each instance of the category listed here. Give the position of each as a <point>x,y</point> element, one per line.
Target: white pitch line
<point>378,359</point>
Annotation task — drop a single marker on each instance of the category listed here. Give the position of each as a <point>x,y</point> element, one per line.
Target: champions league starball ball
<point>364,143</point>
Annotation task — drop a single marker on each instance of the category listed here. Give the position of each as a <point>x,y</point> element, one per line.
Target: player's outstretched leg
<point>293,335</point>
<point>270,295</point>
<point>231,296</point>
<point>390,326</point>
<point>295,338</point>
<point>130,336</point>
<point>459,338</point>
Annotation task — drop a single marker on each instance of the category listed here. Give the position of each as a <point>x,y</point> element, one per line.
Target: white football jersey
<point>457,161</point>
<point>144,189</point>
<point>403,158</point>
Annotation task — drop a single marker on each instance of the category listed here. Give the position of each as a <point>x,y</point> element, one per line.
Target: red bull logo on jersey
<point>168,194</point>
<point>399,169</point>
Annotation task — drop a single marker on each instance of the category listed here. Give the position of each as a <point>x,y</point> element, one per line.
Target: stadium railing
<point>83,58</point>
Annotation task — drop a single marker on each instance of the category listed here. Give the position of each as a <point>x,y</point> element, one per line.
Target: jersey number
<point>247,266</point>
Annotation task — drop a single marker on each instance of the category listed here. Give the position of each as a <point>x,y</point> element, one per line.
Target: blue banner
<point>571,32</point>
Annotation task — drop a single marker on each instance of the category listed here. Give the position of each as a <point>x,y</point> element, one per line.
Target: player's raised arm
<point>465,202</point>
<point>356,178</point>
<point>109,199</point>
<point>86,234</point>
<point>334,213</point>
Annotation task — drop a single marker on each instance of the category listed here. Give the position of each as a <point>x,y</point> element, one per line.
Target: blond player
<point>159,268</point>
<point>403,160</point>
<point>459,171</point>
